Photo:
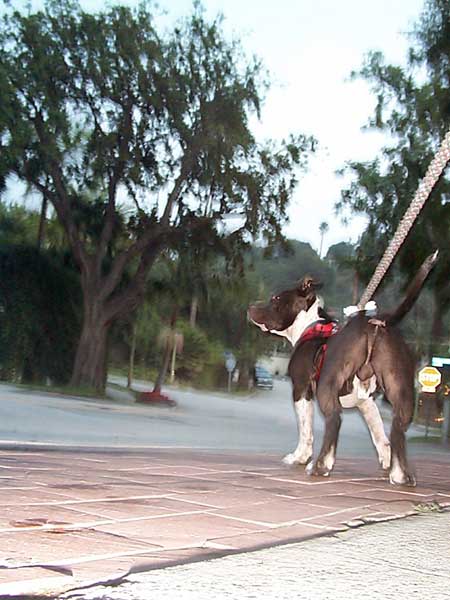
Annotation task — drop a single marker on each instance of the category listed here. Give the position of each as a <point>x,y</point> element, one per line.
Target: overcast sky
<point>310,48</point>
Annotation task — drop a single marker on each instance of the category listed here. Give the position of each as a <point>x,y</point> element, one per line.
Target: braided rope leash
<point>432,175</point>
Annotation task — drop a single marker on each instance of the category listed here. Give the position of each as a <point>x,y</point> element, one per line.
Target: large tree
<point>413,108</point>
<point>131,135</point>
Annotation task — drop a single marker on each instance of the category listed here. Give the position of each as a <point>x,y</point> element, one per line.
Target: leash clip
<point>370,308</point>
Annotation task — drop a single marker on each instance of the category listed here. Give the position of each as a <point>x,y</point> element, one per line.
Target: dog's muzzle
<point>254,316</point>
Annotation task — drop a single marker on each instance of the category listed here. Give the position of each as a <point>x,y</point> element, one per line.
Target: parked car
<point>262,378</point>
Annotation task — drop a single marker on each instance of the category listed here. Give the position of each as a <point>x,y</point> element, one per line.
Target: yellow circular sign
<point>429,379</point>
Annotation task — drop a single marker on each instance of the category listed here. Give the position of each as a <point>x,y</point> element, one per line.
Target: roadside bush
<point>40,304</point>
<point>201,359</point>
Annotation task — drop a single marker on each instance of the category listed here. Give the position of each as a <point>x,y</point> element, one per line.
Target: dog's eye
<point>275,299</point>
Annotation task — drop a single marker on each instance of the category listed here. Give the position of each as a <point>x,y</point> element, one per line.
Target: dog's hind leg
<point>325,462</point>
<point>326,459</point>
<point>369,410</point>
<point>399,391</point>
<point>304,412</point>
<point>395,372</point>
<point>399,473</point>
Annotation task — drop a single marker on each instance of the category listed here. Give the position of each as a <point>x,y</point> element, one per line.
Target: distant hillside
<point>285,266</point>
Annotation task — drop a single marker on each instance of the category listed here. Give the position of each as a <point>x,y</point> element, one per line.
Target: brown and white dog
<point>365,355</point>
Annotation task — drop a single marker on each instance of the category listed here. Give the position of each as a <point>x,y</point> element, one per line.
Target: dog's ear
<point>308,284</point>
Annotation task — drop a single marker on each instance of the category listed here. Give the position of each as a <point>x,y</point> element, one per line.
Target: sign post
<point>443,363</point>
<point>230,364</point>
<point>446,424</point>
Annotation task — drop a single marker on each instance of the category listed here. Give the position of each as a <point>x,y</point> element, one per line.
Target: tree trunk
<point>194,311</point>
<point>104,303</point>
<point>244,375</point>
<point>29,374</point>
<point>90,361</point>
<point>167,353</point>
<point>355,288</point>
<point>164,367</point>
<point>132,355</point>
<point>42,222</point>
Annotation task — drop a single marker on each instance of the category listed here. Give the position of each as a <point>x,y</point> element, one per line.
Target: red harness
<point>319,330</point>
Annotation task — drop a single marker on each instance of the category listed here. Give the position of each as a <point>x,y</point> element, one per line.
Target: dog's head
<point>283,308</point>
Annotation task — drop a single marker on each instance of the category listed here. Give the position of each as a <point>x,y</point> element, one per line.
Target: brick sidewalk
<point>72,518</point>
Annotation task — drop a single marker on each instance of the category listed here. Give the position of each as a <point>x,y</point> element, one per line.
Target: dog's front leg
<point>304,412</point>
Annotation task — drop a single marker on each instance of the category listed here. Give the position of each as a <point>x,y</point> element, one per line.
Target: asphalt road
<point>262,421</point>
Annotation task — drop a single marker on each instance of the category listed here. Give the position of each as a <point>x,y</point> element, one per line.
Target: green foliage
<point>18,226</point>
<point>200,355</point>
<point>221,323</point>
<point>413,106</point>
<point>39,316</point>
<point>132,136</point>
<point>148,325</point>
<point>145,108</point>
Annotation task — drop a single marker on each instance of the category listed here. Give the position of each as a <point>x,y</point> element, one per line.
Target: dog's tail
<point>412,291</point>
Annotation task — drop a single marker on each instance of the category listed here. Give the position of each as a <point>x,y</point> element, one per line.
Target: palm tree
<point>323,228</point>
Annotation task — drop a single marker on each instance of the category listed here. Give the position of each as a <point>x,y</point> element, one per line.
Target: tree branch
<point>118,170</point>
<point>127,299</point>
<point>60,197</point>
<point>186,168</point>
<point>151,238</point>
<point>64,217</point>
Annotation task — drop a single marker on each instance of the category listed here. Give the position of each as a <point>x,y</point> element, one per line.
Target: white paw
<point>296,459</point>
<point>312,469</point>
<point>402,479</point>
<point>397,476</point>
<point>309,468</point>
